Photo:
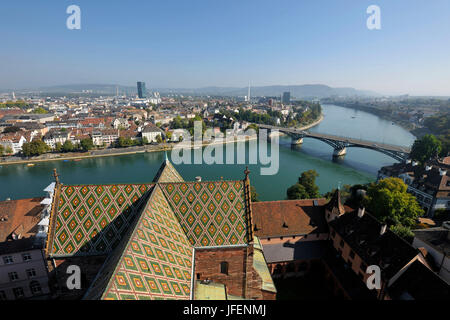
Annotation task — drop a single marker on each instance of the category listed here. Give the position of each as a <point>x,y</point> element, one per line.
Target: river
<point>358,166</point>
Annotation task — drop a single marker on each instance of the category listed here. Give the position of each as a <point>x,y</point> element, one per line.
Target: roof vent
<point>361,212</point>
<point>428,168</point>
<point>8,199</point>
<point>415,163</point>
<point>198,179</point>
<point>383,229</point>
<point>442,172</point>
<point>408,161</point>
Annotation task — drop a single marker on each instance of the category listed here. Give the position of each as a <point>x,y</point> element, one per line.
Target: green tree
<point>308,180</point>
<point>34,148</point>
<point>253,194</point>
<point>9,150</point>
<point>389,201</point>
<point>58,147</point>
<point>297,191</point>
<point>425,148</point>
<point>68,146</point>
<point>87,144</point>
<point>2,150</point>
<point>169,135</point>
<point>158,138</point>
<point>40,110</point>
<point>305,188</point>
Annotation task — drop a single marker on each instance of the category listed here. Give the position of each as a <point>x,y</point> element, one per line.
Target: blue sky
<point>195,43</point>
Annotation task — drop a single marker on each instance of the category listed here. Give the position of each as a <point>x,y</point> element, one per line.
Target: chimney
<point>383,229</point>
<point>361,212</point>
<point>428,168</point>
<point>442,172</point>
<point>415,163</point>
<point>198,179</point>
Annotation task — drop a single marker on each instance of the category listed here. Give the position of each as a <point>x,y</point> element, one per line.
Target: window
<point>31,273</point>
<point>2,295</point>
<point>8,259</point>
<point>26,256</point>
<point>198,276</point>
<point>35,287</point>
<point>18,293</point>
<point>352,254</point>
<point>224,267</point>
<point>13,276</point>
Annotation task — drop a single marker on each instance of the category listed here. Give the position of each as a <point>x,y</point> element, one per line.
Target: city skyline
<point>179,45</point>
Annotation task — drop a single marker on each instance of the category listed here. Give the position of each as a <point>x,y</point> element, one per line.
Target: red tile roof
<point>19,216</point>
<point>289,217</point>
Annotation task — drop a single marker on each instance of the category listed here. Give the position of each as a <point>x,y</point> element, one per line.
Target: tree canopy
<point>305,188</point>
<point>34,148</point>
<point>425,148</point>
<point>389,201</point>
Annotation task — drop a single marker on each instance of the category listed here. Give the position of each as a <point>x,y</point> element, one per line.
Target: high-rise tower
<point>141,90</point>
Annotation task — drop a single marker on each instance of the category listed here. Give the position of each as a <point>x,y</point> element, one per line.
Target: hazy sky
<point>195,43</point>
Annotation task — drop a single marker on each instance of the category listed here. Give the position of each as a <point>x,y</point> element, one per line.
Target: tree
<point>297,191</point>
<point>305,188</point>
<point>40,110</point>
<point>425,148</point>
<point>158,138</point>
<point>308,180</point>
<point>58,147</point>
<point>9,150</point>
<point>2,151</point>
<point>253,194</point>
<point>34,148</point>
<point>68,146</point>
<point>144,140</point>
<point>169,135</point>
<point>389,201</point>
<point>87,144</point>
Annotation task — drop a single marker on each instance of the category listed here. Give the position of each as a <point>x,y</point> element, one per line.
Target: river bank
<point>76,156</point>
<point>124,151</point>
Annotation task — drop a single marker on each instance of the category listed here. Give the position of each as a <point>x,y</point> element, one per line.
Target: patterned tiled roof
<point>91,219</point>
<point>210,213</point>
<point>155,263</point>
<point>167,173</point>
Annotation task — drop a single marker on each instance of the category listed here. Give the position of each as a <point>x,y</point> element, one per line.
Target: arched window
<point>224,267</point>
<point>35,287</point>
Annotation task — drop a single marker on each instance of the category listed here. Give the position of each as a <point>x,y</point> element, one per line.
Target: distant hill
<point>297,91</point>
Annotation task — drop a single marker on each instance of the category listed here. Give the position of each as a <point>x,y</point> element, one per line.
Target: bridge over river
<point>340,144</point>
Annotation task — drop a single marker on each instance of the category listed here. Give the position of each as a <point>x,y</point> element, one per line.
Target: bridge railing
<point>340,138</point>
